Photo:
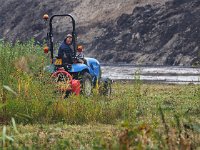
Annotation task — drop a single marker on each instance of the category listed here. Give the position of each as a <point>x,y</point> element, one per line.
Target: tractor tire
<point>86,84</point>
<point>105,87</point>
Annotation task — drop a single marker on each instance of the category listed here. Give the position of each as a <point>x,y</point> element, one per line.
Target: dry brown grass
<point>22,64</point>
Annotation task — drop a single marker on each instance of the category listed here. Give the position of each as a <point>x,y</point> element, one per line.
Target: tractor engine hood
<point>78,68</point>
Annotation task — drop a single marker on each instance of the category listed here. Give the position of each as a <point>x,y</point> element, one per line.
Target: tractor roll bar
<point>74,38</point>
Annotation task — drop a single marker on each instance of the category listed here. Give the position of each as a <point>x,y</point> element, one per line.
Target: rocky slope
<point>147,32</point>
<point>154,34</point>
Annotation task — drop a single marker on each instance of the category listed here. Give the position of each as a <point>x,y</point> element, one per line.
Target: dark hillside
<point>152,32</point>
<point>166,35</point>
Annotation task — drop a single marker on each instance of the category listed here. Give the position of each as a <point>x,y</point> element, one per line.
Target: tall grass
<point>35,102</point>
<point>151,116</point>
<point>21,70</point>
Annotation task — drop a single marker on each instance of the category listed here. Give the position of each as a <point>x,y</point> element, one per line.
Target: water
<point>162,74</point>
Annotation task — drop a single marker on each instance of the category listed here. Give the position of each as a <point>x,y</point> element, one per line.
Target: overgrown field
<point>136,116</point>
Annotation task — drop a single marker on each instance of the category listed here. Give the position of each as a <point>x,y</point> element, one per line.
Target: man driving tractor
<point>65,50</point>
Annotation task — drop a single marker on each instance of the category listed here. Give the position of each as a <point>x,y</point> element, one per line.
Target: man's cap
<point>69,35</point>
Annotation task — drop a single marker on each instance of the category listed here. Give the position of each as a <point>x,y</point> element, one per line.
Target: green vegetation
<point>136,116</point>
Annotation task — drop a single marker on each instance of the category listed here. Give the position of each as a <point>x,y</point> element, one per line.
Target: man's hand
<point>78,60</point>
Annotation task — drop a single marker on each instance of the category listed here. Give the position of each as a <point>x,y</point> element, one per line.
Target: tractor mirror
<point>46,49</point>
<point>80,48</point>
<point>46,17</point>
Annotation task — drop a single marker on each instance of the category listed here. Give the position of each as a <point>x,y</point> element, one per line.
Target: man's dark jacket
<point>65,52</point>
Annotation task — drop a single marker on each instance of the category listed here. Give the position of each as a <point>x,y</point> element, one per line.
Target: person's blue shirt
<point>65,52</point>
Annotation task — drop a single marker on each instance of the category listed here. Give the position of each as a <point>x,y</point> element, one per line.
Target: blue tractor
<point>78,77</point>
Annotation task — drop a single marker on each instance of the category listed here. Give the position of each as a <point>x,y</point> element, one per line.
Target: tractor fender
<point>94,67</point>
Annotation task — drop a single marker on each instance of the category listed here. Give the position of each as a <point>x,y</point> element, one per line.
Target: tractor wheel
<point>105,87</point>
<point>86,84</point>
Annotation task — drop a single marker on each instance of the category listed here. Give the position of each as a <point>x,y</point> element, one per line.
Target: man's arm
<point>60,52</point>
